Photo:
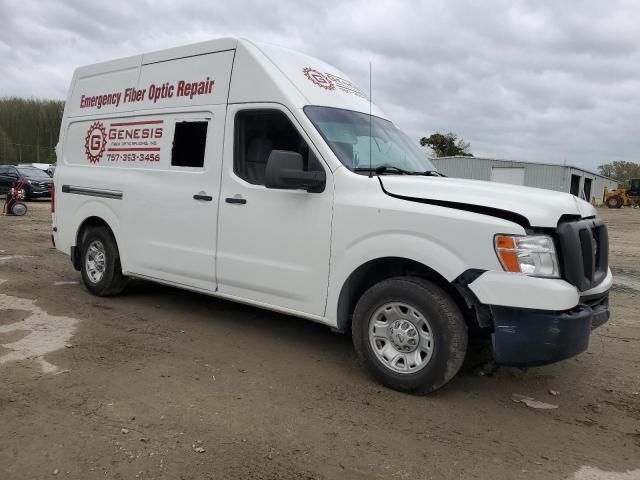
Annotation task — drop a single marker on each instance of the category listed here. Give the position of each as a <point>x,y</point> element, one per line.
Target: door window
<point>257,134</point>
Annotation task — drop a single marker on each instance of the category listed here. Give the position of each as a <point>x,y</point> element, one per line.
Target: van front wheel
<point>101,272</point>
<point>410,334</point>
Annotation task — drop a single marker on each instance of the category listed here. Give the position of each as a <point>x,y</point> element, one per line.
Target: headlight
<point>531,254</point>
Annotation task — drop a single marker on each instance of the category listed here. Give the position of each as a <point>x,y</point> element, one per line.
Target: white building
<point>563,178</point>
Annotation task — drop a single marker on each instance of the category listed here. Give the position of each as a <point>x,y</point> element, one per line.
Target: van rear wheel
<point>410,334</point>
<point>100,263</point>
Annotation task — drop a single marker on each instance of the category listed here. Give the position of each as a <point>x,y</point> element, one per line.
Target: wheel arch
<point>91,222</point>
<point>74,218</point>
<point>88,223</point>
<point>379,269</point>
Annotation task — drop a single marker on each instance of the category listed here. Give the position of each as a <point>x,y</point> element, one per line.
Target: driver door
<point>273,245</point>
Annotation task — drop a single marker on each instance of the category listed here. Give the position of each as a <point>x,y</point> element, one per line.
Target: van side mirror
<point>285,170</point>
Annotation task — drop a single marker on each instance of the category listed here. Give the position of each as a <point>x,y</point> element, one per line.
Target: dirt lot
<point>161,383</point>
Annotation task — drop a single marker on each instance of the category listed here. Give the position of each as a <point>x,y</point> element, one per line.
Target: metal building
<point>564,178</point>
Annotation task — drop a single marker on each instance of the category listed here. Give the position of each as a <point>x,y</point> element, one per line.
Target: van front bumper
<point>537,321</point>
<point>527,338</point>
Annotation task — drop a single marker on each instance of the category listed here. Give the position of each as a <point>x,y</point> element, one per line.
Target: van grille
<point>584,252</point>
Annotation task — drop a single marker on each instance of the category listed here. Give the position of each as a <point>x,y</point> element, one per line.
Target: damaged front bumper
<point>537,321</point>
<point>527,338</point>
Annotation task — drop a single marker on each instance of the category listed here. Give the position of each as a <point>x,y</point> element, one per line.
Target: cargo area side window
<point>257,133</point>
<point>189,142</point>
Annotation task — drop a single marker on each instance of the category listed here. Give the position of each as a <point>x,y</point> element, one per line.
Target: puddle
<point>33,334</point>
<point>591,473</point>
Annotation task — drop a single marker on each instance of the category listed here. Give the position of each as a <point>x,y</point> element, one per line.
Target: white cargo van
<point>257,174</point>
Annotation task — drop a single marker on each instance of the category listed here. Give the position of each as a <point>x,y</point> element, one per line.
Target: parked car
<point>37,183</point>
<point>42,166</point>
<point>261,175</point>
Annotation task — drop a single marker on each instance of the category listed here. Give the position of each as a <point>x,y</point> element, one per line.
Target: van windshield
<point>347,134</point>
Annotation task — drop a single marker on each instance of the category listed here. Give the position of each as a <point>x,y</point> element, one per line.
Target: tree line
<point>621,171</point>
<point>29,129</point>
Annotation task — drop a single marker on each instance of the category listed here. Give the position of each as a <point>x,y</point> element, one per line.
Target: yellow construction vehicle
<point>623,196</point>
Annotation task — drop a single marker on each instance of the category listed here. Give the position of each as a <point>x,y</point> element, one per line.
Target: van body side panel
<point>166,233</point>
<point>118,135</point>
<point>73,209</point>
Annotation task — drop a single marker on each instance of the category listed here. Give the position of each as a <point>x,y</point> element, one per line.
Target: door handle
<point>200,196</point>
<point>236,200</point>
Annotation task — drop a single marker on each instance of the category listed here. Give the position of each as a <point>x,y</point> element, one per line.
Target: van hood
<point>529,207</point>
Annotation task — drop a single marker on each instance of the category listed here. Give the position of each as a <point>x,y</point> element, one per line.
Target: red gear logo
<point>318,78</point>
<point>95,142</point>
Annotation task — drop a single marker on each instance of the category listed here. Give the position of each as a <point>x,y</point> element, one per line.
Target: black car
<point>38,183</point>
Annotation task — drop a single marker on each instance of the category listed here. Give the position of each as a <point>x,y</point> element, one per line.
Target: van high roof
<point>263,73</point>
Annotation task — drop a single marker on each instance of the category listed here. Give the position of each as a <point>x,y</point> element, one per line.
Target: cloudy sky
<point>547,80</point>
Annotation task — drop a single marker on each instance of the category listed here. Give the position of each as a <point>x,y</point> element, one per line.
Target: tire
<point>431,314</point>
<point>100,263</point>
<point>19,209</point>
<point>615,201</point>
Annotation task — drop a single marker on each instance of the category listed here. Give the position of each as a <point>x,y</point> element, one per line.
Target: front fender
<point>383,245</point>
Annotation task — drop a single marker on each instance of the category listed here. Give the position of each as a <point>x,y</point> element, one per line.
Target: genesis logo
<point>95,142</point>
<point>319,78</point>
<point>332,82</point>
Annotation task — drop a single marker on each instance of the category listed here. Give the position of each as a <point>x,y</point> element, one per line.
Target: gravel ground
<point>161,383</point>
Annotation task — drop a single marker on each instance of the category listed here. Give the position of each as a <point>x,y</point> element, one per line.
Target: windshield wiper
<point>383,169</point>
<point>430,173</point>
